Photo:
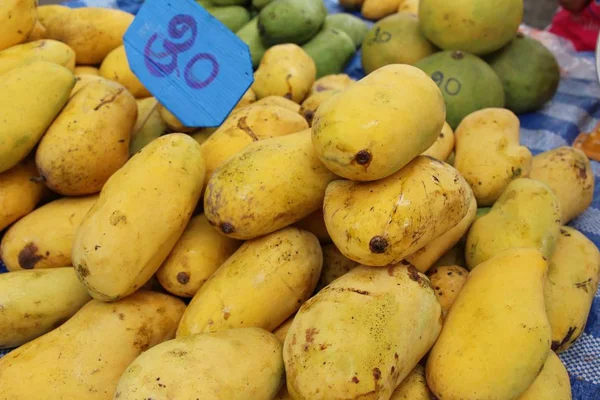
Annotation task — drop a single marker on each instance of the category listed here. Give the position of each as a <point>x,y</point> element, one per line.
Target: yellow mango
<point>85,357</point>
<point>312,103</point>
<point>443,145</point>
<point>496,336</point>
<point>447,281</point>
<point>35,302</point>
<point>380,223</point>
<point>278,101</point>
<point>246,126</point>
<point>32,96</point>
<point>86,70</point>
<point>174,124</point>
<point>335,264</point>
<point>315,224</point>
<point>41,50</point>
<point>571,286</point>
<point>248,98</point>
<point>488,153</point>
<point>20,191</point>
<point>245,198</point>
<point>285,70</point>
<point>116,68</point>
<point>89,141</point>
<point>83,80</point>
<point>197,255</point>
<point>414,387</point>
<point>409,6</point>
<point>281,331</point>
<point>526,215</point>
<point>44,238</point>
<point>379,124</point>
<point>362,335</point>
<point>261,285</point>
<point>427,255</point>
<point>46,12</point>
<point>38,33</point>
<point>235,364</point>
<point>92,32</point>
<point>331,82</point>
<point>377,9</point>
<point>118,246</point>
<point>567,171</point>
<point>149,124</point>
<point>18,20</point>
<point>552,383</point>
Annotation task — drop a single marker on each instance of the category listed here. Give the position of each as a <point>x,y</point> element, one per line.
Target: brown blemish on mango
<point>82,270</point>
<point>556,345</point>
<point>378,245</point>
<point>28,256</point>
<point>364,158</point>
<point>227,228</point>
<point>183,277</point>
<point>117,217</point>
<point>243,125</point>
<point>109,99</point>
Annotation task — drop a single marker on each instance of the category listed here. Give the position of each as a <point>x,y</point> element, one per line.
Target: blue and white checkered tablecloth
<point>574,109</point>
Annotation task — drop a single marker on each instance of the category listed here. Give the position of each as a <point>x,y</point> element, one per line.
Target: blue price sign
<point>194,65</point>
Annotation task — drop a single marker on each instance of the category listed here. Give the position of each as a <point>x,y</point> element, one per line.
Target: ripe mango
<point>447,281</point>
<point>377,9</point>
<point>413,387</point>
<point>116,68</point>
<point>443,146</point>
<point>553,382</point>
<point>42,50</point>
<point>331,82</point>
<point>18,19</point>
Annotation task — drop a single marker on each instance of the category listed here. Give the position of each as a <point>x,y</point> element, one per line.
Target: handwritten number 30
<point>179,26</point>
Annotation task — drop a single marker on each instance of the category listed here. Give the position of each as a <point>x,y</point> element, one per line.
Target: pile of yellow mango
<point>336,238</point>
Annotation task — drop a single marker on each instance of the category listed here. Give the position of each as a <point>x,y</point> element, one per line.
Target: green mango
<point>233,17</point>
<point>291,21</point>
<point>205,3</point>
<point>529,72</point>
<point>249,35</point>
<point>355,27</point>
<point>260,4</point>
<point>223,3</point>
<point>331,50</point>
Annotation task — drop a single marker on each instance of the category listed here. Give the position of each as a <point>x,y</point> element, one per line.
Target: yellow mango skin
<point>380,223</point>
<point>117,247</point>
<point>362,335</point>
<point>312,103</point>
<point>443,146</point>
<point>552,383</point>
<point>35,302</point>
<point>567,171</point>
<point>315,224</point>
<point>46,12</point>
<point>116,68</point>
<point>41,50</point>
<point>92,32</point>
<point>38,33</point>
<point>285,70</point>
<point>260,285</point>
<point>335,264</point>
<point>331,82</point>
<point>426,256</point>
<point>409,6</point>
<point>89,141</point>
<point>526,215</point>
<point>149,124</point>
<point>172,122</point>
<point>85,357</point>
<point>19,194</point>
<point>239,364</point>
<point>44,238</point>
<point>488,153</point>
<point>498,359</point>
<point>281,331</point>
<point>377,9</point>
<point>32,96</point>
<point>197,255</point>
<point>245,198</point>
<point>83,80</point>
<point>246,126</point>
<point>18,19</point>
<point>278,101</point>
<point>572,283</point>
<point>379,124</point>
<point>86,70</point>
<point>475,26</point>
<point>414,387</point>
<point>447,281</point>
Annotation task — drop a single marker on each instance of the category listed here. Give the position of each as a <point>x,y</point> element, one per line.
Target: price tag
<point>192,63</point>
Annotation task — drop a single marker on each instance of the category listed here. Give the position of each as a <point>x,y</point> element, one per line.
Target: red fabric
<point>580,28</point>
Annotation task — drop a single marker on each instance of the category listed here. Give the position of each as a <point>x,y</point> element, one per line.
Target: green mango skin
<point>355,27</point>
<point>482,211</point>
<point>260,4</point>
<point>331,50</point>
<point>291,21</point>
<point>233,17</point>
<point>529,72</point>
<point>205,3</point>
<point>249,35</point>
<point>467,82</point>
<point>222,3</point>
